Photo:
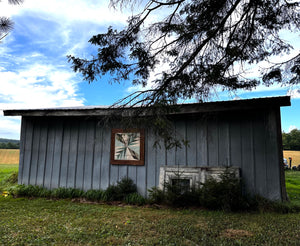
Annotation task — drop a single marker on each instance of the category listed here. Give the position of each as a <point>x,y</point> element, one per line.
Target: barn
<point>68,147</point>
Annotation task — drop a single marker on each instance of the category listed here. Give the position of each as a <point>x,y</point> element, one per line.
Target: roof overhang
<point>181,109</point>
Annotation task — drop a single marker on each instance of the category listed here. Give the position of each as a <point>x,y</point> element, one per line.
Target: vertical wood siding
<point>75,152</point>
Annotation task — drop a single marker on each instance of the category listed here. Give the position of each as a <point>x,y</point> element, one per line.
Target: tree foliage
<point>291,140</point>
<point>9,145</point>
<point>6,24</point>
<point>194,47</point>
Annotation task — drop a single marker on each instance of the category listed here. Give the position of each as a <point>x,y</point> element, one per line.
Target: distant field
<point>9,156</point>
<point>295,156</point>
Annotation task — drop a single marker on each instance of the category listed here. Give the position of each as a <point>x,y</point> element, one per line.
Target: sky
<point>35,73</point>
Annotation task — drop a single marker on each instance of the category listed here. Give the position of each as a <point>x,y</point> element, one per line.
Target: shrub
<point>176,195</point>
<point>94,195</point>
<point>135,198</point>
<point>12,179</point>
<point>126,186</point>
<point>112,193</point>
<point>118,192</point>
<point>156,195</point>
<point>63,193</point>
<point>224,194</point>
<point>30,191</point>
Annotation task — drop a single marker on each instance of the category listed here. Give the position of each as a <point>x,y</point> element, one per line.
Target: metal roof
<point>192,108</point>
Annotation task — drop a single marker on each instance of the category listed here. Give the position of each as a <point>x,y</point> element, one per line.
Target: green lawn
<point>41,222</point>
<point>7,169</point>
<point>292,181</point>
<point>63,222</point>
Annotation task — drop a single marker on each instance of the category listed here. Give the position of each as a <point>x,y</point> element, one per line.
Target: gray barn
<point>67,147</point>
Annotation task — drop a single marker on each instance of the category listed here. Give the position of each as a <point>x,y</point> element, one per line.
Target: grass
<point>295,156</point>
<point>9,156</point>
<point>7,169</point>
<point>41,222</point>
<point>292,182</point>
<point>63,222</point>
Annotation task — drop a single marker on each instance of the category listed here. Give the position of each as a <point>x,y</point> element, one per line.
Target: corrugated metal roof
<point>189,108</point>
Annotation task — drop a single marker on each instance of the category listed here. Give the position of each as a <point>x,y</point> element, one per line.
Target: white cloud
<point>36,86</point>
<point>292,128</point>
<point>294,93</point>
<point>9,127</point>
<point>34,72</point>
<point>67,10</point>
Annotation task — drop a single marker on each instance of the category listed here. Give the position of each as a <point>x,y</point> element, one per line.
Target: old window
<point>127,147</point>
<point>181,184</point>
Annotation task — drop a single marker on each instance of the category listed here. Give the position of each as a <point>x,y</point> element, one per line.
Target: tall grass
<point>9,156</point>
<point>7,169</point>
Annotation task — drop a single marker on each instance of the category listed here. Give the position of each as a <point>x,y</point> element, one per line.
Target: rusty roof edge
<point>265,102</point>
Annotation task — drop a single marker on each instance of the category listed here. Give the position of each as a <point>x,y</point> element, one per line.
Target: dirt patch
<point>233,233</point>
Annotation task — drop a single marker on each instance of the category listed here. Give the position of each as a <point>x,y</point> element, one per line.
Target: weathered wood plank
<point>35,153</point>
<point>114,174</point>
<point>191,155</point>
<point>22,150</point>
<point>235,142</point>
<point>73,153</point>
<point>59,130</point>
<point>202,142</point>
<point>180,153</point>
<point>259,153</point>
<point>248,170</point>
<point>81,154</point>
<point>272,162</point>
<point>89,155</point>
<point>223,143</point>
<point>213,142</point>
<point>123,171</point>
<point>161,160</point>
<point>105,165</point>
<point>98,157</point>
<point>27,152</point>
<point>42,152</point>
<point>65,155</point>
<point>50,154</point>
<point>150,160</point>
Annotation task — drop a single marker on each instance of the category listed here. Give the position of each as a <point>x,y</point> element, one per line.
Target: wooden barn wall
<point>75,152</point>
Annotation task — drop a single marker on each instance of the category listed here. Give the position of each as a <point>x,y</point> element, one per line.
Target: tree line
<point>291,140</point>
<point>9,144</point>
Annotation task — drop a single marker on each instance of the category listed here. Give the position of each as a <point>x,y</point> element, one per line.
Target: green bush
<point>63,193</point>
<point>94,195</point>
<point>118,192</point>
<point>226,193</point>
<point>12,179</point>
<point>112,193</point>
<point>156,195</point>
<point>126,186</point>
<point>135,198</point>
<point>176,195</point>
<point>30,191</point>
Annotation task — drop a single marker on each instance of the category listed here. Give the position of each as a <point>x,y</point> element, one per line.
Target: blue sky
<point>34,72</point>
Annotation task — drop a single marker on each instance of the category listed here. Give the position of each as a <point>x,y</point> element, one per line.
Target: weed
<point>135,198</point>
<point>112,193</point>
<point>156,195</point>
<point>67,193</point>
<point>30,191</point>
<point>12,179</point>
<point>94,195</point>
